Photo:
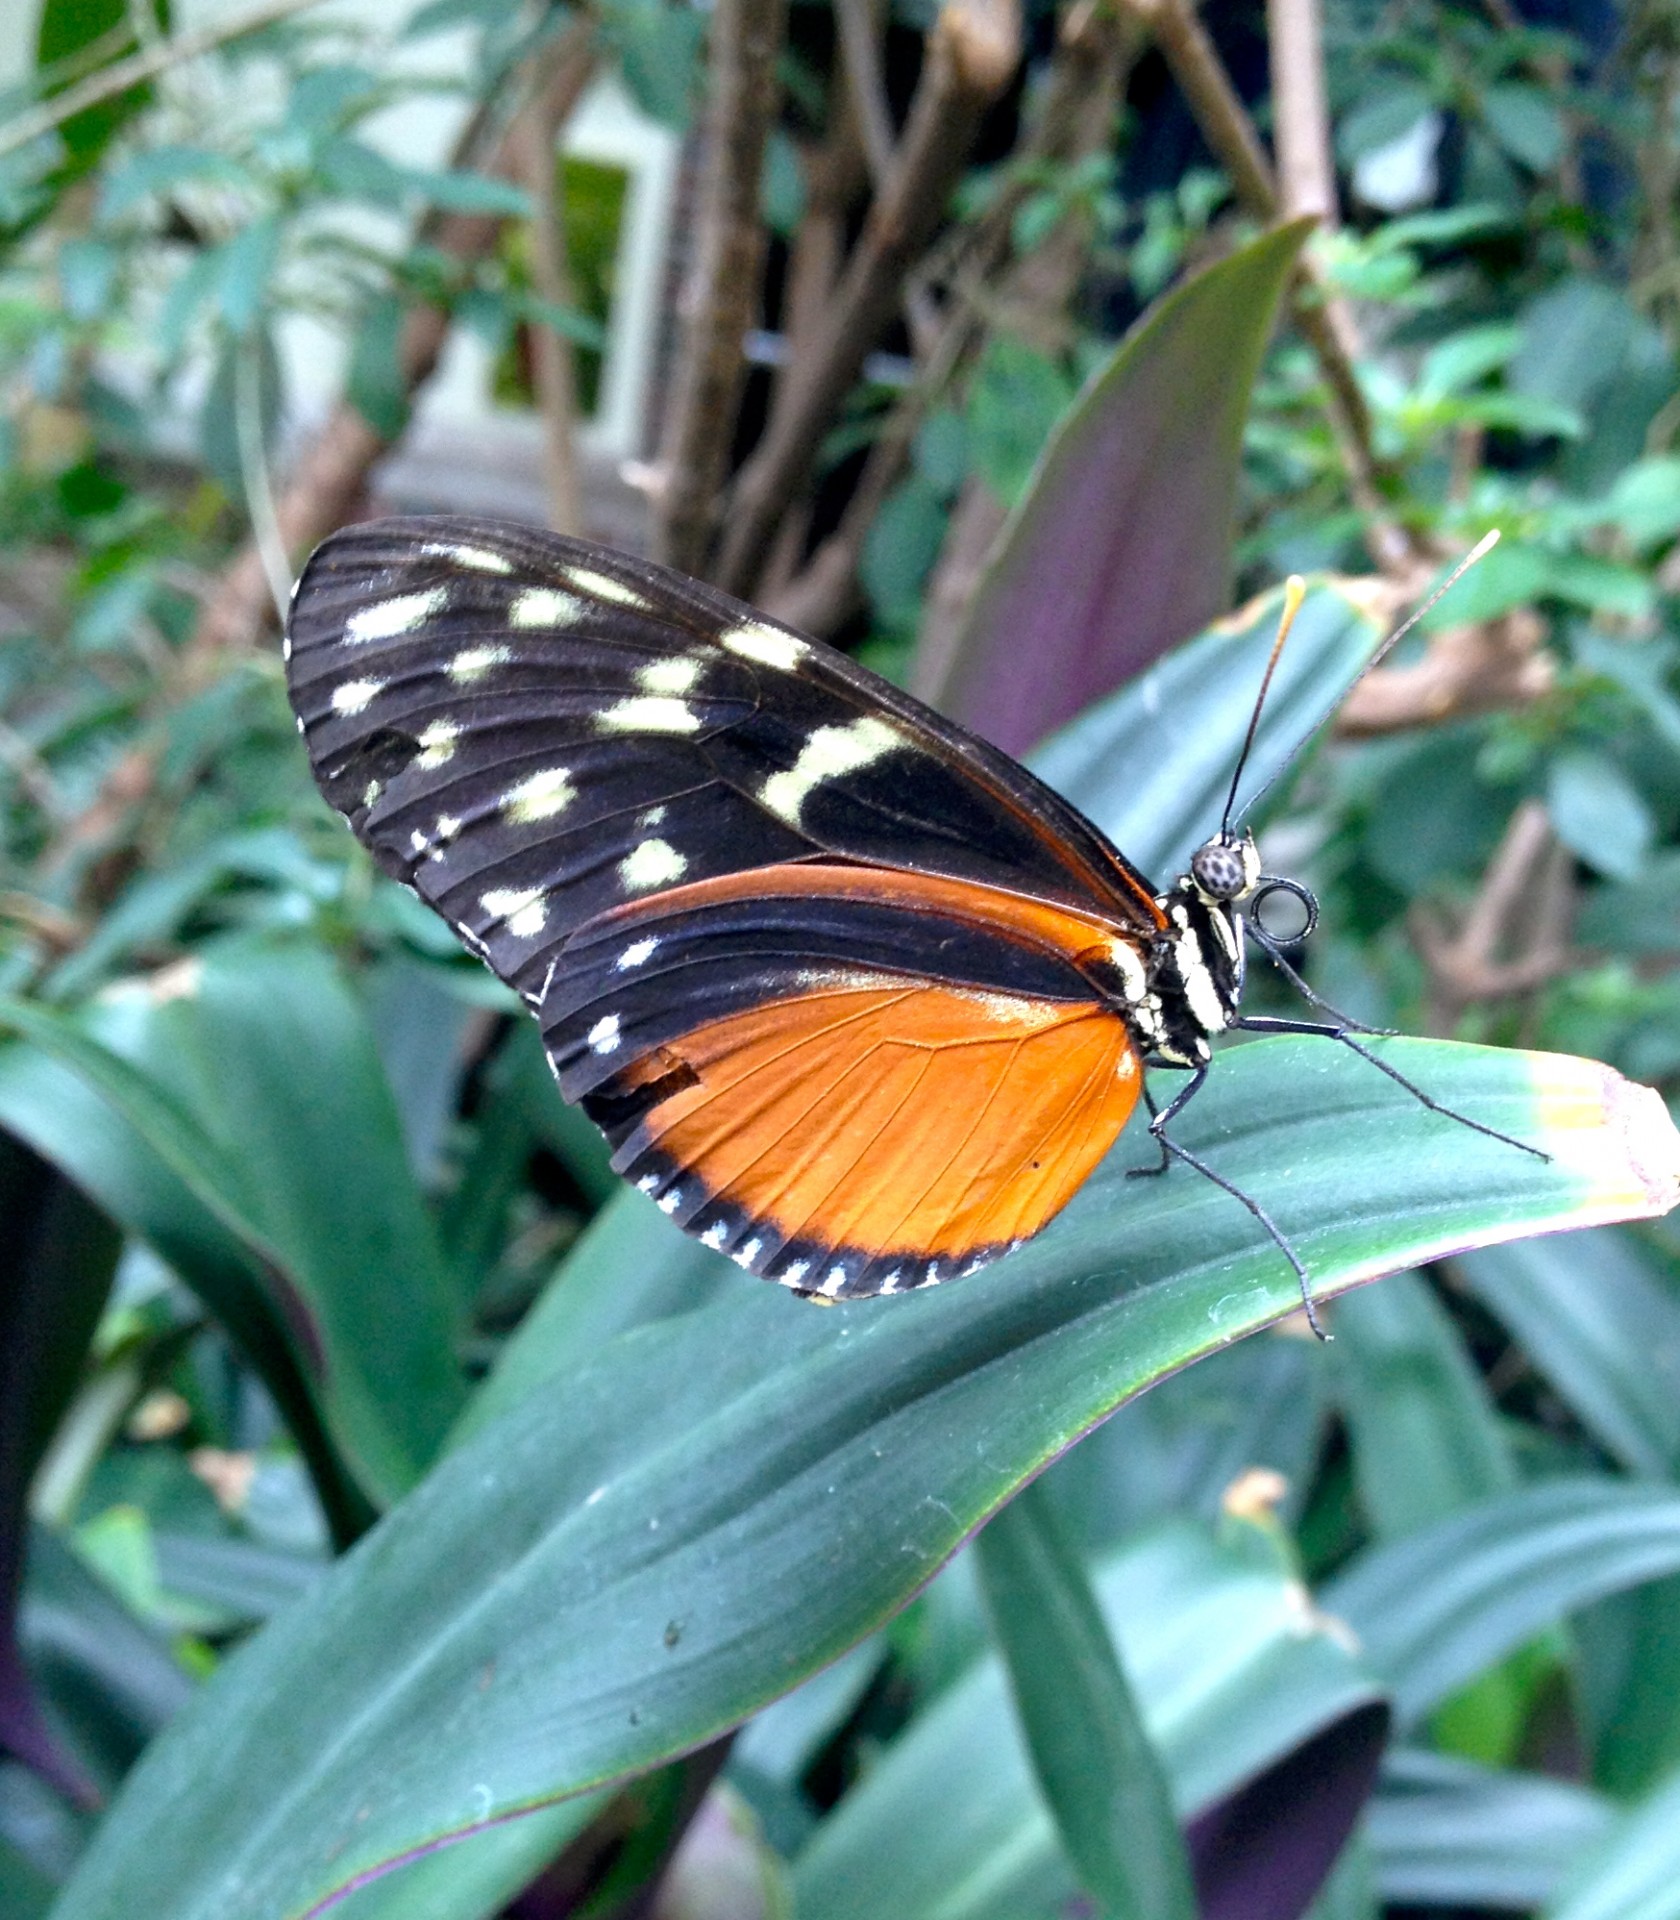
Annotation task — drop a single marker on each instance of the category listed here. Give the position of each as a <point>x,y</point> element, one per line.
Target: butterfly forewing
<point>648,809</point>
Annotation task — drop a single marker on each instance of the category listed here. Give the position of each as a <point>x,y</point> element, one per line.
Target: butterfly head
<point>1226,868</point>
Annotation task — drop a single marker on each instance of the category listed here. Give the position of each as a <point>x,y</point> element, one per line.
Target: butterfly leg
<point>1287,968</point>
<point>1264,1023</point>
<point>1171,1150</point>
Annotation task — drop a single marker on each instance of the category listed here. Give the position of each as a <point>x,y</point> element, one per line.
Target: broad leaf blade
<point>1435,1609</point>
<point>1121,545</point>
<point>1151,763</point>
<point>948,1825</point>
<point>712,1507</point>
<point>1090,1753</point>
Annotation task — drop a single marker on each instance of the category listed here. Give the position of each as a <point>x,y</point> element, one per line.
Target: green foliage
<point>393,1476</point>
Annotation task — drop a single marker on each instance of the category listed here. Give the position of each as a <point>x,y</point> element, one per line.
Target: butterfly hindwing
<point>640,803</point>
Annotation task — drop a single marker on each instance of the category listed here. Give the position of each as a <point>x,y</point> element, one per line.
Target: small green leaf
<point>158,169</point>
<point>1019,394</point>
<point>375,386</point>
<point>458,192</point>
<point>1527,124</point>
<point>901,547</point>
<point>1381,118</point>
<point>1599,814</point>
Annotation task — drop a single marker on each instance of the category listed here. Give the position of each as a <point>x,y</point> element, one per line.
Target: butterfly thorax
<point>1196,969</point>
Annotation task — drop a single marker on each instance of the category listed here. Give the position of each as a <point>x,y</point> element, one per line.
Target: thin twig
<point>1524,902</point>
<point>553,364</point>
<point>973,49</point>
<point>1485,668</point>
<point>140,67</point>
<point>860,53</point>
<point>746,39</point>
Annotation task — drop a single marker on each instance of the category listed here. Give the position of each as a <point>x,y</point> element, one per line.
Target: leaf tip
<point>1614,1134</point>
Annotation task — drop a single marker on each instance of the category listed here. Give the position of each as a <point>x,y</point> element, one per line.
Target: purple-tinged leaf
<point>57,1255</point>
<point>1263,1852</point>
<point>1121,545</point>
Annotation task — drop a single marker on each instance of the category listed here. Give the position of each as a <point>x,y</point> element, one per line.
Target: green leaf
<point>1599,813</point>
<point>1381,118</point>
<point>704,1511</point>
<point>1446,1832</point>
<point>1151,763</point>
<point>658,50</point>
<point>900,548</point>
<point>1090,1754</point>
<point>1574,338</point>
<point>458,192</point>
<point>1018,396</point>
<point>57,1256</point>
<point>1425,1437</point>
<point>1433,1610</point>
<point>158,169</point>
<point>70,31</point>
<point>1600,1318</point>
<point>375,386</point>
<point>1634,1873</point>
<point>1527,124</point>
<point>1464,359</point>
<point>1122,543</point>
<point>247,266</point>
<point>948,1821</point>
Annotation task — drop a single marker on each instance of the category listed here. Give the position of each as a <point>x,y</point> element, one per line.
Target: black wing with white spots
<point>530,730</point>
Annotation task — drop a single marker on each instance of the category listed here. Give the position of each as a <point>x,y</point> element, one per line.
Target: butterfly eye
<point>1285,927</point>
<point>1220,870</point>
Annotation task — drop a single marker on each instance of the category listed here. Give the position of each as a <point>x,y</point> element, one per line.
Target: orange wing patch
<point>882,1133</point>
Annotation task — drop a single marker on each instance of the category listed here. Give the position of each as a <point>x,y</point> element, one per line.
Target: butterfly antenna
<point>1294,592</point>
<point>1479,551</point>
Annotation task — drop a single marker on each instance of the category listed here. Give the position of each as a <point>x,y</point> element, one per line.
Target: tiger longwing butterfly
<point>854,997</point>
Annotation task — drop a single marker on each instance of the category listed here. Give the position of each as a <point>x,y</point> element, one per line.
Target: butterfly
<point>854,997</point>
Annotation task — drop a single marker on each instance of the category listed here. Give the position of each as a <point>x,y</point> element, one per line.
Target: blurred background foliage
<point>282,1173</point>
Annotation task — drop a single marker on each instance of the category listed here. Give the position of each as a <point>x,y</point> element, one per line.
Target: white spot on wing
<point>602,586</point>
<point>472,663</point>
<point>674,674</point>
<point>670,1200</point>
<point>650,713</point>
<point>474,559</point>
<point>834,1281</point>
<point>792,1275</point>
<point>715,1235</point>
<point>769,646</point>
<point>828,753</point>
<point>637,954</point>
<point>354,695</point>
<point>745,1256</point>
<point>387,618</point>
<point>655,863</point>
<point>544,607</point>
<point>647,1183</point>
<point>437,743</point>
<point>539,796</point>
<point>522,909</point>
<point>603,1036</point>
